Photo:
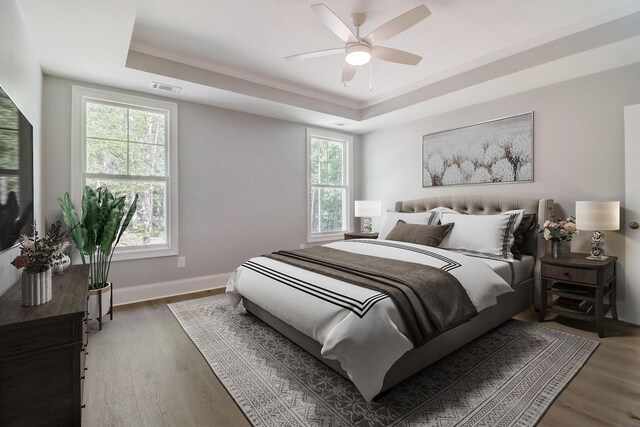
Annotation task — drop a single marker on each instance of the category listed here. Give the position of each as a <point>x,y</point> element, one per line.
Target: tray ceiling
<point>231,53</point>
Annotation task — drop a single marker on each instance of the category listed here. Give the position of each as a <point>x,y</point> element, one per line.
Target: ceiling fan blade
<point>395,55</point>
<point>398,24</point>
<point>316,54</point>
<point>334,23</point>
<point>348,72</point>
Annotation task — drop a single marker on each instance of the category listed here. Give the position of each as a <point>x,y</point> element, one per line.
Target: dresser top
<point>69,298</point>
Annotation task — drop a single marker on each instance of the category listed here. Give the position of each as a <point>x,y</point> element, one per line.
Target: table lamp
<point>597,216</point>
<point>366,209</point>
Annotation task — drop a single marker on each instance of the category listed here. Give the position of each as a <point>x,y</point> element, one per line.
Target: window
<point>329,184</point>
<point>129,144</point>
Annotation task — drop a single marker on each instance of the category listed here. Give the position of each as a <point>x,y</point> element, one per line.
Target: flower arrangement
<point>37,254</point>
<point>560,230</point>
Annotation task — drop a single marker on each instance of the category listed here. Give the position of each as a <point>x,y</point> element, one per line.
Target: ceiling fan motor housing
<point>358,53</point>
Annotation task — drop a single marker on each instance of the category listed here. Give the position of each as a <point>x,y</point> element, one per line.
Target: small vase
<point>61,264</point>
<point>560,249</point>
<point>36,288</point>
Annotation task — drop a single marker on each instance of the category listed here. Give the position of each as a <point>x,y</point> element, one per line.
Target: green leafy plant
<point>97,233</point>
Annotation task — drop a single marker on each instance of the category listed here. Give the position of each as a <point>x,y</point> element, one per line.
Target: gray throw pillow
<point>422,234</point>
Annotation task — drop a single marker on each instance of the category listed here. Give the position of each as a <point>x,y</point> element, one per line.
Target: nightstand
<point>360,235</point>
<point>581,286</point>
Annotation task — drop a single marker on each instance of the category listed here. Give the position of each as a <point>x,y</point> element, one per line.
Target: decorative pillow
<point>422,234</point>
<point>391,219</point>
<point>488,236</point>
<point>528,223</point>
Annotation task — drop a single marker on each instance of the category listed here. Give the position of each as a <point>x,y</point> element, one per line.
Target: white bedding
<point>359,327</point>
<point>515,271</point>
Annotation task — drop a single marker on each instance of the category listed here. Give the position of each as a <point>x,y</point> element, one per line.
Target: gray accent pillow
<point>422,234</point>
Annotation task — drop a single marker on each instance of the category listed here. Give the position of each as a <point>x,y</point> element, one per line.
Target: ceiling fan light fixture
<point>358,54</point>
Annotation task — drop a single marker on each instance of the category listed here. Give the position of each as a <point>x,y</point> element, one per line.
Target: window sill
<point>325,237</point>
<point>126,255</point>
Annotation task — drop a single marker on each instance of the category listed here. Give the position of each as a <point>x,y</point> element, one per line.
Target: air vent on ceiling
<point>165,87</point>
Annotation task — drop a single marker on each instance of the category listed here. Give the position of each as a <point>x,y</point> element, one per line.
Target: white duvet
<point>359,327</point>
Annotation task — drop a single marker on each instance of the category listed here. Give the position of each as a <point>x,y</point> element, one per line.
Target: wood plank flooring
<point>145,371</point>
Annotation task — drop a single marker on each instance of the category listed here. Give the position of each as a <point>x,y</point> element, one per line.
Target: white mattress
<point>513,272</point>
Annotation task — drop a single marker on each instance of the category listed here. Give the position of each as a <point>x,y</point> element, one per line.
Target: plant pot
<point>61,264</point>
<point>36,288</point>
<point>95,295</point>
<point>560,249</point>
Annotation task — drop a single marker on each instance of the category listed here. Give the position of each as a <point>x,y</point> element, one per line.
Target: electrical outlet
<point>182,261</point>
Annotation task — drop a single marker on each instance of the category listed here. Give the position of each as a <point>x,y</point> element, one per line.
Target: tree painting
<point>496,151</point>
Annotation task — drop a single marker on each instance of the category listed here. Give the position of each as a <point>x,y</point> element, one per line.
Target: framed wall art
<point>496,151</point>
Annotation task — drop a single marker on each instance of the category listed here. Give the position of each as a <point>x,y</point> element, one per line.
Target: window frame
<point>80,97</point>
<point>347,164</point>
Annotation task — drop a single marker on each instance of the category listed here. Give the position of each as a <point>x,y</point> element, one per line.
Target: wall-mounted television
<point>16,173</point>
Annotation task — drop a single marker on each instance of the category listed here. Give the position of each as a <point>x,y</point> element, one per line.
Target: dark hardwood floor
<point>145,371</point>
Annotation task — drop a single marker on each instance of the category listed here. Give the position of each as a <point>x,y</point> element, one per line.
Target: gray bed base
<point>508,305</point>
<point>417,359</point>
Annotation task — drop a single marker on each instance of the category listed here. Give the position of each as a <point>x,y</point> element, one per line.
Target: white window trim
<point>79,96</point>
<point>323,237</point>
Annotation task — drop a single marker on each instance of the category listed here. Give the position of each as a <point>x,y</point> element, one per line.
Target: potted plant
<point>37,255</point>
<point>96,235</point>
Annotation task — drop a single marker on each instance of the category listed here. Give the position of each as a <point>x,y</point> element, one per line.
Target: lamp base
<point>596,253</point>
<point>597,258</point>
<point>367,224</point>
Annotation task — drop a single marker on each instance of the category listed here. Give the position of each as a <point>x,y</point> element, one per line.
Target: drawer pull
<point>84,406</point>
<point>566,274</point>
<point>86,369</point>
<point>82,377</point>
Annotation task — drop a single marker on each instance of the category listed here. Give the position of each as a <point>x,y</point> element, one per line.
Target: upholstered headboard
<point>489,205</point>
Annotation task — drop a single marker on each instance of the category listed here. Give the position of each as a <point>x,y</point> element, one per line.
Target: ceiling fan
<point>359,50</point>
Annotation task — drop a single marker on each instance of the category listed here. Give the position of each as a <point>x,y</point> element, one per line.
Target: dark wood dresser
<point>42,354</point>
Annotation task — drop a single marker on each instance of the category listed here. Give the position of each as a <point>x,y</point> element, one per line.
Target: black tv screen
<point>16,173</point>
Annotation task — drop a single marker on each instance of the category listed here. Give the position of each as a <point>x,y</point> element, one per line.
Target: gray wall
<point>21,78</point>
<point>242,186</point>
<point>578,147</point>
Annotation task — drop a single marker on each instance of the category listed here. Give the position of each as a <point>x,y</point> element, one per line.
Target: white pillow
<point>438,214</point>
<point>391,219</point>
<point>488,236</point>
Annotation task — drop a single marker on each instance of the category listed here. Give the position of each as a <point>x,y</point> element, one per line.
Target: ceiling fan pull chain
<point>370,76</point>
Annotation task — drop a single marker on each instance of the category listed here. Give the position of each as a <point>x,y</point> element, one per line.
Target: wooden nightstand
<point>582,286</point>
<point>360,235</point>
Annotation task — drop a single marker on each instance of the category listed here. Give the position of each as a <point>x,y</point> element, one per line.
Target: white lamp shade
<point>368,208</point>
<point>600,216</point>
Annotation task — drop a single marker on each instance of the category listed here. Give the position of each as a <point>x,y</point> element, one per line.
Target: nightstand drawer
<point>570,274</point>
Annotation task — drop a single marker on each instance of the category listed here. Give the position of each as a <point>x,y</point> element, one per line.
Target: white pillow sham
<point>439,211</point>
<point>489,236</point>
<point>391,219</point>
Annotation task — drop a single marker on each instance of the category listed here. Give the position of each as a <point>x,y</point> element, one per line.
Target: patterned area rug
<point>508,377</point>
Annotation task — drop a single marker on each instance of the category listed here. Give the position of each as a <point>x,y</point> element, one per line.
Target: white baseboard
<point>122,296</point>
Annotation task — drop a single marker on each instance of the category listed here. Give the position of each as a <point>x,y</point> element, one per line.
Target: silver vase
<point>560,248</point>
<point>36,288</point>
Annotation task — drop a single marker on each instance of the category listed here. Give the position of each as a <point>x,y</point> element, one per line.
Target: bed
<point>348,344</point>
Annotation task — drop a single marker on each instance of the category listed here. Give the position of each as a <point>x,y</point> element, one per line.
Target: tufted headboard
<point>490,205</point>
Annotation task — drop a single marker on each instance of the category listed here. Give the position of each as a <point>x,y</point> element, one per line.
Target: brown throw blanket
<point>430,300</point>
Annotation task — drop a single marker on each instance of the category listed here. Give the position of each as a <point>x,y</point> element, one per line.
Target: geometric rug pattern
<point>507,377</point>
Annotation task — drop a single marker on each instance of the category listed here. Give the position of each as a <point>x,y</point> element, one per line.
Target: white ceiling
<point>231,53</point>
